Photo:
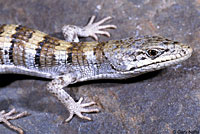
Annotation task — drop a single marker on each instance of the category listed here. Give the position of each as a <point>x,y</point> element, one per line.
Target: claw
<point>71,114</point>
<point>90,110</point>
<point>88,104</point>
<point>91,20</point>
<point>95,37</point>
<point>103,33</point>
<point>13,111</point>
<point>80,100</point>
<point>103,20</point>
<point>2,112</point>
<point>83,117</point>
<point>107,26</point>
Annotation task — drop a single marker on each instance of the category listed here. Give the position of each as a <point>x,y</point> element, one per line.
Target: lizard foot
<point>4,117</point>
<point>77,108</point>
<point>71,32</point>
<point>96,28</point>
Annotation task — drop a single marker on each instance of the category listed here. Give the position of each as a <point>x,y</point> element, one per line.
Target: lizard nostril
<point>184,52</point>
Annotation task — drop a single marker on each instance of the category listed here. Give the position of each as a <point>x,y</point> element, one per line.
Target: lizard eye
<point>152,53</point>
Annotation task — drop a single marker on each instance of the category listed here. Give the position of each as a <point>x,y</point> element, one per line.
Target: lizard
<point>31,52</point>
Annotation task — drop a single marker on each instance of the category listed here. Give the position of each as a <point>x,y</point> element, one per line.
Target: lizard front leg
<point>4,117</point>
<point>56,88</point>
<point>71,32</point>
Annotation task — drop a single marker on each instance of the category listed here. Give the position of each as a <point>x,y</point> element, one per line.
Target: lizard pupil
<point>152,52</point>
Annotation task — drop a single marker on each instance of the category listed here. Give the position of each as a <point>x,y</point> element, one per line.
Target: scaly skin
<point>31,52</point>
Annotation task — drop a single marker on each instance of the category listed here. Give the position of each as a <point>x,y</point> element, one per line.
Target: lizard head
<point>136,56</point>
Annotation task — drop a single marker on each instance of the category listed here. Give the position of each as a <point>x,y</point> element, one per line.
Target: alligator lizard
<point>31,52</point>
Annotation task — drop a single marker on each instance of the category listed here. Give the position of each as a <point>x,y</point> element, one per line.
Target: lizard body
<point>31,52</point>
